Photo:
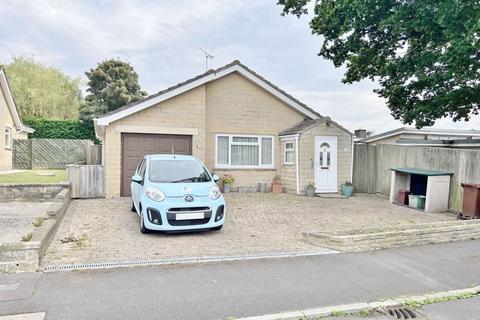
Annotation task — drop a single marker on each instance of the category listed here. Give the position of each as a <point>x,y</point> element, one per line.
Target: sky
<point>161,39</point>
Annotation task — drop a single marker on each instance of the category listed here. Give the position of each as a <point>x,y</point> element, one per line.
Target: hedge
<point>60,129</point>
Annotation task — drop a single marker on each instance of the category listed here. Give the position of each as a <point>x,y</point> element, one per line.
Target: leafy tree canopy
<point>111,85</point>
<point>42,91</point>
<point>424,53</point>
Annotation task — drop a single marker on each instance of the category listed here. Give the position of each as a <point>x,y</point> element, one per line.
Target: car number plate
<point>190,216</point>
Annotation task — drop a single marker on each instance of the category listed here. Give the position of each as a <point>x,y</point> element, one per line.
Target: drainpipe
<point>297,163</point>
<point>351,162</point>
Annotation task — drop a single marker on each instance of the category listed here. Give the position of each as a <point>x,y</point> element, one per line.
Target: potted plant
<point>310,190</point>
<point>347,189</point>
<point>277,184</point>
<point>227,181</point>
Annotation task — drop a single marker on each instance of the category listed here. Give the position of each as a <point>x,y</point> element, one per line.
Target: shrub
<point>60,129</point>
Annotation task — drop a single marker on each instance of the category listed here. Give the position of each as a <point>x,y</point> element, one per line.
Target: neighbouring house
<point>237,123</point>
<point>426,137</point>
<point>11,125</point>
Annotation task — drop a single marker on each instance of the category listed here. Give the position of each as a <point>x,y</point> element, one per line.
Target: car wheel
<point>218,228</point>
<point>143,229</point>
<point>133,207</point>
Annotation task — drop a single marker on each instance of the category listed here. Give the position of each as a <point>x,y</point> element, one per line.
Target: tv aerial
<point>207,56</point>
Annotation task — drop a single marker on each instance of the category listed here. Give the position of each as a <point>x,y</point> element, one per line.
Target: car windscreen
<point>177,171</point>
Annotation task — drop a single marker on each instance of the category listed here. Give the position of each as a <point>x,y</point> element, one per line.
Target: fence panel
<point>22,154</point>
<point>372,166</point>
<point>94,154</point>
<point>87,181</point>
<point>49,153</point>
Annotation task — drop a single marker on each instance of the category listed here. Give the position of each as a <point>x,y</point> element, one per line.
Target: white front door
<point>325,164</point>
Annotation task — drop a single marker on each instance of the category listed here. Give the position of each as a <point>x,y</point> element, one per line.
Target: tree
<point>42,91</point>
<point>111,85</point>
<point>425,54</point>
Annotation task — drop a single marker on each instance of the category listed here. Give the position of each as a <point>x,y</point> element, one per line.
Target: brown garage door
<point>136,145</point>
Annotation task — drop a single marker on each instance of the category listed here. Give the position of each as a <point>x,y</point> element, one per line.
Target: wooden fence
<point>94,154</point>
<point>372,164</point>
<point>87,181</point>
<point>52,153</point>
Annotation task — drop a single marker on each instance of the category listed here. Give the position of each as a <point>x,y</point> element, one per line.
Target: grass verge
<point>34,176</point>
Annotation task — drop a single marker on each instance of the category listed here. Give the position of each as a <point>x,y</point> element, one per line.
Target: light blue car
<point>176,193</point>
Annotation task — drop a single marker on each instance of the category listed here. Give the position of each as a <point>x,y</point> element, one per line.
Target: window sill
<point>289,164</point>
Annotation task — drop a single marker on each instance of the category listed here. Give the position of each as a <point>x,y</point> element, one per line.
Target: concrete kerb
<point>354,308</point>
<point>26,256</point>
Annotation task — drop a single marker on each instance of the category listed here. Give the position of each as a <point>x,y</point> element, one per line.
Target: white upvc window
<point>8,138</point>
<point>288,152</point>
<point>243,151</point>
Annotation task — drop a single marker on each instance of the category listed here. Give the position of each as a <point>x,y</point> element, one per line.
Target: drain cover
<point>402,313</point>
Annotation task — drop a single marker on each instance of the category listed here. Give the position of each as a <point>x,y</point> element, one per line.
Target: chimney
<point>361,133</point>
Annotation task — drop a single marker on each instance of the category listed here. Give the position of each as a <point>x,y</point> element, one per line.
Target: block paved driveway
<point>107,231</point>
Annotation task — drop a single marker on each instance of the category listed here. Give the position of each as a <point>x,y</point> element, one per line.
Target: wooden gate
<point>87,181</point>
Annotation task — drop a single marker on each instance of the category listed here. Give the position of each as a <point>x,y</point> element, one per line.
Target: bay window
<point>244,151</point>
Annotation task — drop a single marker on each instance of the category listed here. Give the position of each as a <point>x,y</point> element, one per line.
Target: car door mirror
<point>215,178</point>
<point>137,178</point>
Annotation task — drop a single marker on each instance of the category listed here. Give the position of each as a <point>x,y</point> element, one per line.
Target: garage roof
<point>199,80</point>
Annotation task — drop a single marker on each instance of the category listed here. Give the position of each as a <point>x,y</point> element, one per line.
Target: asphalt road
<point>239,289</point>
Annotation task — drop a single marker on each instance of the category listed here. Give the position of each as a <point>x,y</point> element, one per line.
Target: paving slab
<point>105,230</point>
<point>16,219</point>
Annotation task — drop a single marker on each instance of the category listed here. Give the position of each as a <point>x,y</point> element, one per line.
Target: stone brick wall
<point>307,153</point>
<point>183,114</point>
<point>236,105</point>
<point>288,171</point>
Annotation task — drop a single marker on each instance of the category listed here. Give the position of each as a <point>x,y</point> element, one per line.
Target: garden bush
<point>60,129</point>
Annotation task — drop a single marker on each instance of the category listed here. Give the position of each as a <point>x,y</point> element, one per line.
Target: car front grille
<point>172,213</point>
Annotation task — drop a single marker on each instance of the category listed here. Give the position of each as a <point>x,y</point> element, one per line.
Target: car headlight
<point>214,193</point>
<point>155,194</point>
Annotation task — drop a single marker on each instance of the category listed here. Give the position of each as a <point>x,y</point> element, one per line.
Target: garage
<point>136,145</point>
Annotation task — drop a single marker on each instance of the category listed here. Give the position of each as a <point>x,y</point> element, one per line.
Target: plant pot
<point>277,187</point>
<point>347,191</point>
<point>310,192</point>
<point>262,187</point>
<point>226,188</point>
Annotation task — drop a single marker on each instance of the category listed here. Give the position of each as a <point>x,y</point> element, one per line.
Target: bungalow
<point>237,123</point>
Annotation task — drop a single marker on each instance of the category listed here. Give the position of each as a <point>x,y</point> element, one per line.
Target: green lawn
<point>34,176</point>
